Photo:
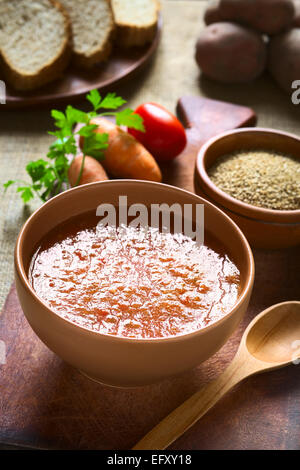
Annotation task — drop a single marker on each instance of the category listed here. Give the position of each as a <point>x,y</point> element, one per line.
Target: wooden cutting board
<point>45,403</point>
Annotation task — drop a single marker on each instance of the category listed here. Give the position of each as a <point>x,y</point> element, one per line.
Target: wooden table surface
<point>47,404</point>
<point>23,137</point>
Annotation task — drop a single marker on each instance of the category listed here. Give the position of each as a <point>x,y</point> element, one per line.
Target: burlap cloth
<point>173,73</point>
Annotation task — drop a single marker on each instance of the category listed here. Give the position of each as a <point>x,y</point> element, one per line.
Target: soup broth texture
<point>128,282</point>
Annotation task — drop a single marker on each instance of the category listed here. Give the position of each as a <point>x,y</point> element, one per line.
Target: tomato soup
<point>128,282</point>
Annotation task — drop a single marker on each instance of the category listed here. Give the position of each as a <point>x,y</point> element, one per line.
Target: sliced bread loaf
<point>34,42</point>
<point>92,27</point>
<point>136,21</point>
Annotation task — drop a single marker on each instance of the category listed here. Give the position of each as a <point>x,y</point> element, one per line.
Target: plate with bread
<point>53,50</point>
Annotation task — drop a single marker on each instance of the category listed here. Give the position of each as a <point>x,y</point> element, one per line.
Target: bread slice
<point>92,27</point>
<point>136,21</point>
<point>34,42</point>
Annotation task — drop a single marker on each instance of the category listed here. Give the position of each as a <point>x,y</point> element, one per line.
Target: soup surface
<point>127,282</point>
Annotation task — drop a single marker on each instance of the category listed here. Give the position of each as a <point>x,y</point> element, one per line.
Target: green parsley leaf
<point>8,184</point>
<point>45,194</point>
<point>37,169</point>
<point>95,144</point>
<point>87,130</point>
<point>112,101</point>
<point>60,118</point>
<point>129,118</point>
<point>61,165</point>
<point>26,193</point>
<point>49,176</point>
<point>94,98</point>
<point>75,116</point>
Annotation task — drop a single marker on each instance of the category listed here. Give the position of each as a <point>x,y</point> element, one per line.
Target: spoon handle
<point>183,417</point>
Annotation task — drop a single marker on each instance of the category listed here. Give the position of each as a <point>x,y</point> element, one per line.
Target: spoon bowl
<point>271,341</point>
<point>274,333</point>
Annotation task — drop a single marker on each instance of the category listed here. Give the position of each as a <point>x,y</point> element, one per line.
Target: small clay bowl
<point>264,228</point>
<point>117,360</point>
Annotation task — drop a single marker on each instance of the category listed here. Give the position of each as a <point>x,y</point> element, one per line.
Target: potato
<point>284,58</point>
<point>267,16</point>
<point>230,53</point>
<point>212,13</point>
<point>296,20</point>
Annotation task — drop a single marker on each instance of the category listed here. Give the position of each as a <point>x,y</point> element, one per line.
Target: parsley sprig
<point>49,177</point>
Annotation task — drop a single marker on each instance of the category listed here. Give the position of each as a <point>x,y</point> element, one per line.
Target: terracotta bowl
<point>264,228</point>
<point>111,359</point>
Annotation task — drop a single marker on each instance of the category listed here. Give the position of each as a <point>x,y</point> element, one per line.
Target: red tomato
<point>165,136</point>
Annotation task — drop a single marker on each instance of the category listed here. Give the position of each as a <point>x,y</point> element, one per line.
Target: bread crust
<point>88,61</point>
<point>125,36</point>
<point>99,56</point>
<point>130,35</point>
<point>48,73</point>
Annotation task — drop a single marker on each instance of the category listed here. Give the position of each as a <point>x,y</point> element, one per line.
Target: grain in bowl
<point>259,177</point>
<point>264,226</point>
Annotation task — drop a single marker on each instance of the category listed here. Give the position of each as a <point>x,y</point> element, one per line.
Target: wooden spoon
<point>271,341</point>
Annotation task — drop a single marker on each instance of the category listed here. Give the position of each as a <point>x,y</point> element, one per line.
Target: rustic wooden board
<point>203,118</point>
<point>44,403</point>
